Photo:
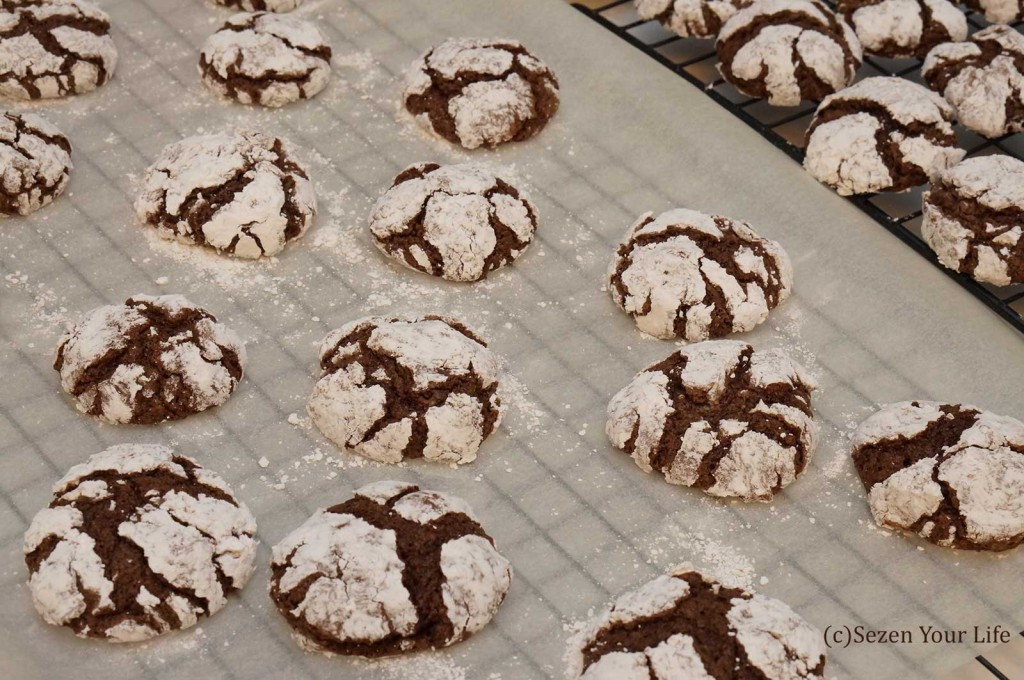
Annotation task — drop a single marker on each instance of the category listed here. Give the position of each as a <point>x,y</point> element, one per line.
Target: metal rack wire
<point>695,61</point>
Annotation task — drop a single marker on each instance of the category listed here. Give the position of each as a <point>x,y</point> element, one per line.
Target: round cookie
<point>881,134</point>
<point>953,474</point>
<point>974,219</point>
<point>786,51</point>
<point>477,92</point>
<point>720,417</point>
<point>459,222</point>
<point>35,163</point>
<point>54,48</point>
<point>903,28</point>
<point>690,18</point>
<point>687,626</point>
<point>399,388</point>
<point>684,274</point>
<point>149,360</point>
<point>983,79</point>
<point>394,569</point>
<point>138,541</point>
<point>266,58</point>
<point>242,194</point>
<point>261,5</point>
<point>998,11</point>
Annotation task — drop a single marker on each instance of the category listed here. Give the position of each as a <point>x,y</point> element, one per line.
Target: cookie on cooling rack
<point>903,28</point>
<point>35,163</point>
<point>953,474</point>
<point>54,48</point>
<point>974,219</point>
<point>241,194</point>
<point>266,58</point>
<point>688,626</point>
<point>690,18</point>
<point>394,569</point>
<point>459,222</point>
<point>881,134</point>
<point>261,5</point>
<point>786,51</point>
<point>149,360</point>
<point>684,274</point>
<point>983,79</point>
<point>399,388</point>
<point>138,541</point>
<point>719,416</point>
<point>998,11</point>
<point>477,92</point>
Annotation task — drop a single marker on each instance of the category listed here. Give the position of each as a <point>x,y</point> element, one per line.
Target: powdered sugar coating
<point>916,456</point>
<point>974,219</point>
<point>396,388</point>
<point>903,28</point>
<point>266,58</point>
<point>720,416</point>
<point>693,276</point>
<point>261,5</point>
<point>242,194</point>
<point>137,542</point>
<point>35,163</point>
<point>154,358</point>
<point>881,134</point>
<point>982,79</point>
<point>54,48</point>
<point>690,18</point>
<point>998,11</point>
<point>342,581</point>
<point>788,51</point>
<point>458,222</point>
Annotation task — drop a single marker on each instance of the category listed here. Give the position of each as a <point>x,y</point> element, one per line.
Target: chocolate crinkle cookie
<point>35,163</point>
<point>690,18</point>
<point>266,58</point>
<point>54,48</point>
<point>786,51</point>
<point>684,274</point>
<point>242,194</point>
<point>903,28</point>
<point>688,626</point>
<point>998,11</point>
<point>477,92</point>
<point>395,569</point>
<point>974,219</point>
<point>983,79</point>
<point>953,474</point>
<point>138,541</point>
<point>149,360</point>
<point>398,388</point>
<point>882,134</point>
<point>261,5</point>
<point>459,222</point>
<point>719,416</point>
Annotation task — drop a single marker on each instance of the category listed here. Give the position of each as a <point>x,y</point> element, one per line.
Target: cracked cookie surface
<point>54,48</point>
<point>998,11</point>
<point>261,5</point>
<point>786,51</point>
<point>719,416</point>
<point>242,194</point>
<point>882,134</point>
<point>394,569</point>
<point>974,219</point>
<point>398,388</point>
<point>149,360</point>
<point>690,18</point>
<point>478,92</point>
<point>983,78</point>
<point>684,274</point>
<point>952,474</point>
<point>35,163</point>
<point>138,541</point>
<point>459,222</point>
<point>266,58</point>
<point>687,626</point>
<point>903,28</point>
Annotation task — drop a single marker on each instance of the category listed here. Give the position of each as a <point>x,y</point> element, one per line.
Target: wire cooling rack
<point>695,60</point>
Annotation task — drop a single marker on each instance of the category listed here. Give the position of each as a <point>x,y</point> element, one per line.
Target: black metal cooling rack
<point>695,60</point>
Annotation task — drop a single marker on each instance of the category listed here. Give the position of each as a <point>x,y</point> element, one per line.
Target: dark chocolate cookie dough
<point>261,5</point>
<point>35,162</point>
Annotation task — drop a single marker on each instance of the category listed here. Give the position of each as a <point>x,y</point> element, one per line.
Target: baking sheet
<point>578,520</point>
